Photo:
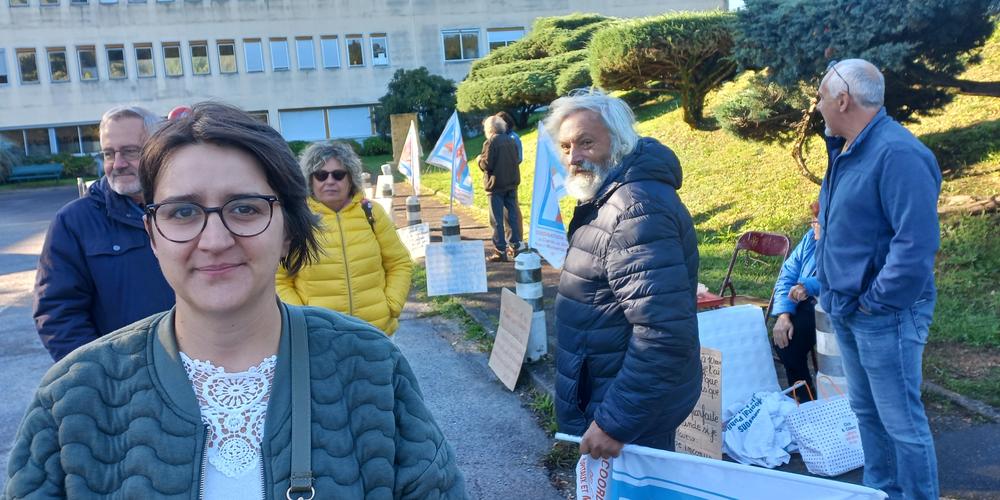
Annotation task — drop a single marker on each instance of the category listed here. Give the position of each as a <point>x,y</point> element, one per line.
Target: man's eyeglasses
<point>321,175</point>
<point>833,67</point>
<point>183,221</point>
<point>129,153</point>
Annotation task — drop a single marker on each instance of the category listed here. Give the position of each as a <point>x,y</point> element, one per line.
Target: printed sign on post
<point>512,338</point>
<point>415,238</point>
<point>454,268</point>
<point>701,433</point>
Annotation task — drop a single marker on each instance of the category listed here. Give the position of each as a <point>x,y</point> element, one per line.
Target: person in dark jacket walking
<point>875,264</point>
<point>502,176</point>
<point>628,358</point>
<point>97,272</point>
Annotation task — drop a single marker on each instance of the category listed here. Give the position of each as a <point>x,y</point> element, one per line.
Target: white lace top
<point>233,407</point>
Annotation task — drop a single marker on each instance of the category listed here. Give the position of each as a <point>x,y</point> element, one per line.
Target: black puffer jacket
<point>628,350</point>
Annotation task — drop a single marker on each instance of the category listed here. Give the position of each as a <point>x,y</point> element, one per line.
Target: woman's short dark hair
<point>507,119</point>
<point>230,127</point>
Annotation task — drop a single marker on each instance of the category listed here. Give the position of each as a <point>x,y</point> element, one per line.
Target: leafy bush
<point>298,147</point>
<point>577,75</point>
<point>374,146</point>
<point>76,166</point>
<point>431,97</point>
<point>688,52</point>
<point>762,110</point>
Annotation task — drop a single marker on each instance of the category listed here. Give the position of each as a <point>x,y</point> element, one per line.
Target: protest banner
<point>701,433</point>
<point>641,473</point>
<point>415,238</point>
<point>454,268</point>
<point>511,341</point>
<point>449,152</point>
<point>547,234</point>
<point>409,158</point>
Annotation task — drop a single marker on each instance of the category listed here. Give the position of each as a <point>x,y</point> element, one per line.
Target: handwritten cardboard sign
<point>416,238</point>
<point>454,268</point>
<point>701,433</point>
<point>512,338</point>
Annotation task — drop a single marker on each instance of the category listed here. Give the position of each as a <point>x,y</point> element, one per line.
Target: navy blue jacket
<point>628,350</point>
<point>878,213</point>
<point>97,272</point>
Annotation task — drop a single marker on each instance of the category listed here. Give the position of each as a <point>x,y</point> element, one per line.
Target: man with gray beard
<point>628,364</point>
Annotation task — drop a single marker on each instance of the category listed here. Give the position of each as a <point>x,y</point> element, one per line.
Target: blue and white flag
<point>449,152</point>
<point>641,473</point>
<point>409,159</point>
<point>547,234</point>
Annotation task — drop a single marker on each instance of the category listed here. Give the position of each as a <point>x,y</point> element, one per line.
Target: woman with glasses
<point>230,394</point>
<point>795,292</point>
<point>364,269</point>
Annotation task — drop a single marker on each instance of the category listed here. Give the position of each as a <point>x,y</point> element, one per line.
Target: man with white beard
<point>628,361</point>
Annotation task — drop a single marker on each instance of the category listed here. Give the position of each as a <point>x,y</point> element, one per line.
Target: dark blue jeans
<point>499,202</point>
<point>882,356</point>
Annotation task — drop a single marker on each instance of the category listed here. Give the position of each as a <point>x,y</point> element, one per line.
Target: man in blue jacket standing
<point>97,272</point>
<point>628,357</point>
<point>875,264</point>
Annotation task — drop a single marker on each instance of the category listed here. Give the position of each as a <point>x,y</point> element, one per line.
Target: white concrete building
<point>312,68</point>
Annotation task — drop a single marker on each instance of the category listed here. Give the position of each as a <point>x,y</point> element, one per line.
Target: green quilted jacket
<point>118,418</point>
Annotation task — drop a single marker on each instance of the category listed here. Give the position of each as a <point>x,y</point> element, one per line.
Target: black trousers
<point>795,356</point>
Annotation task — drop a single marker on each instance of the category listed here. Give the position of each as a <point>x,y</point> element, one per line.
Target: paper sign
<point>386,204</point>
<point>454,268</point>
<point>701,433</point>
<point>415,238</point>
<point>512,338</point>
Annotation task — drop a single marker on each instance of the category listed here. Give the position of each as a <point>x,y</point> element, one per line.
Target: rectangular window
<point>279,54</point>
<point>199,58</point>
<point>380,50</point>
<point>144,66</point>
<point>260,116</point>
<point>50,2</point>
<point>172,63</point>
<point>57,65</point>
<point>502,37</point>
<point>254,56</point>
<point>355,51</point>
<point>116,63</point>
<point>90,136</point>
<point>68,140</point>
<point>27,65</point>
<point>38,141</point>
<point>4,79</point>
<point>304,51</point>
<point>13,141</point>
<point>18,3</point>
<point>227,56</point>
<point>303,125</point>
<point>87,56</point>
<point>331,51</point>
<point>109,2</point>
<point>461,45</point>
<point>354,121</point>
<point>79,2</point>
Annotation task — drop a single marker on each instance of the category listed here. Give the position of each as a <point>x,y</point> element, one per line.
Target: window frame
<point>4,71</point>
<point>509,29</point>
<point>152,59</point>
<point>385,48</point>
<point>20,3</point>
<point>20,68</point>
<point>180,59</point>
<point>49,52</point>
<point>208,59</point>
<point>299,41</point>
<point>236,62</point>
<point>246,54</point>
<point>80,50</point>
<point>336,52</point>
<point>360,39</point>
<point>461,44</point>
<point>272,43</point>
<point>124,66</point>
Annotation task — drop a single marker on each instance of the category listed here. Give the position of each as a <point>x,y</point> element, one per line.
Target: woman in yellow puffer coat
<point>365,270</point>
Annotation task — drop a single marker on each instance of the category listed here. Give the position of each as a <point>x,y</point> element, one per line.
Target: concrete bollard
<point>412,210</point>
<point>450,230</point>
<point>528,279</point>
<point>828,360</point>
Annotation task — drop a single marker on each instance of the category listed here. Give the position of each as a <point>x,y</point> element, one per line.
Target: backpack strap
<point>366,205</point>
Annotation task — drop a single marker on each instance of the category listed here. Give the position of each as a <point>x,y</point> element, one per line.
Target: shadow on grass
<point>958,148</point>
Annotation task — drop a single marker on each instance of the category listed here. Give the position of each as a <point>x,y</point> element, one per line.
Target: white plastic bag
<point>826,431</point>
<point>757,433</point>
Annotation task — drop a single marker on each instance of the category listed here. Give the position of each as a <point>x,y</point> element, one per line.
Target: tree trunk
<point>801,134</point>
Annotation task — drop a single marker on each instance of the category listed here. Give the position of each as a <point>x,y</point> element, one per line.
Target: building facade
<point>313,69</point>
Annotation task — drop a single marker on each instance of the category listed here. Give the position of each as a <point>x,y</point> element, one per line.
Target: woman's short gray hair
<point>494,125</point>
<point>866,82</point>
<point>150,121</point>
<point>318,153</point>
<point>615,114</point>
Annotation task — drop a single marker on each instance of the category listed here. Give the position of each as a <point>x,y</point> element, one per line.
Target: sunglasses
<point>321,175</point>
<point>832,66</point>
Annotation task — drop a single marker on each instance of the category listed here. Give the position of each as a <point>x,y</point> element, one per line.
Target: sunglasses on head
<point>321,175</point>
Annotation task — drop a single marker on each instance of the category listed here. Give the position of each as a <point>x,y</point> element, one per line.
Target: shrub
<point>298,147</point>
<point>374,146</point>
<point>431,97</point>
<point>77,166</point>
<point>762,110</point>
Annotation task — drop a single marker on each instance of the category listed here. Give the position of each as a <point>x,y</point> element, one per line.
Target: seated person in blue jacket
<point>97,272</point>
<point>795,294</point>
<point>231,393</point>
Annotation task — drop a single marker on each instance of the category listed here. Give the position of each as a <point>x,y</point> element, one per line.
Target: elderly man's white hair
<point>867,85</point>
<point>494,125</point>
<point>615,114</point>
<point>150,121</point>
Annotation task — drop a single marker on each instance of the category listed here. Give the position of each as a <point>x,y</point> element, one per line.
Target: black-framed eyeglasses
<point>321,175</point>
<point>129,153</point>
<point>183,221</point>
<point>832,66</point>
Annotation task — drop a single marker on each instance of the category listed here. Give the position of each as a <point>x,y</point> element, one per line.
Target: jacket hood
<point>650,160</point>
